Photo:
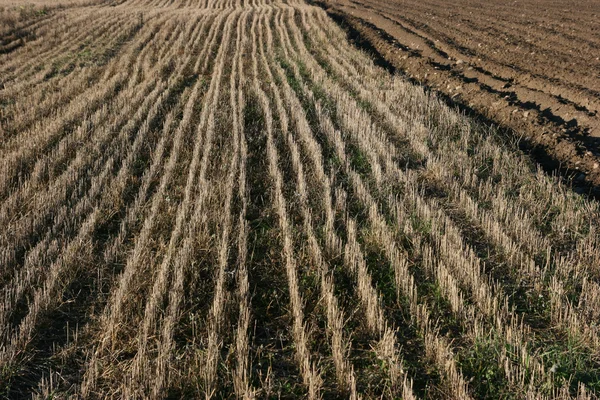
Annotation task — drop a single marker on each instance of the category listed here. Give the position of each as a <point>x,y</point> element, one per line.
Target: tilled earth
<point>532,66</point>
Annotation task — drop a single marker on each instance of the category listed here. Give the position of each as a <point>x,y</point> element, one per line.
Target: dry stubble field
<point>225,199</point>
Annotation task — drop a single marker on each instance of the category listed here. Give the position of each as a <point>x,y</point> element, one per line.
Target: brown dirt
<point>531,66</point>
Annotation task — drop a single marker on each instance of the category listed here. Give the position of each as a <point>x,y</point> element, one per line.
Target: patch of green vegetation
<point>571,362</point>
<point>480,362</point>
<point>358,160</point>
<point>8,372</point>
<point>420,225</point>
<point>365,104</point>
<point>380,269</point>
<point>253,115</point>
<point>289,74</point>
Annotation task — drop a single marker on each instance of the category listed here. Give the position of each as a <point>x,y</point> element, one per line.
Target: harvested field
<point>532,66</point>
<point>226,199</point>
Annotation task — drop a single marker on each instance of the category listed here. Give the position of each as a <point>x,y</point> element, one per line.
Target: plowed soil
<point>532,66</point>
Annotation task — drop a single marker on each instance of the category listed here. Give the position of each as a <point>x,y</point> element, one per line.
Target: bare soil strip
<point>531,67</point>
